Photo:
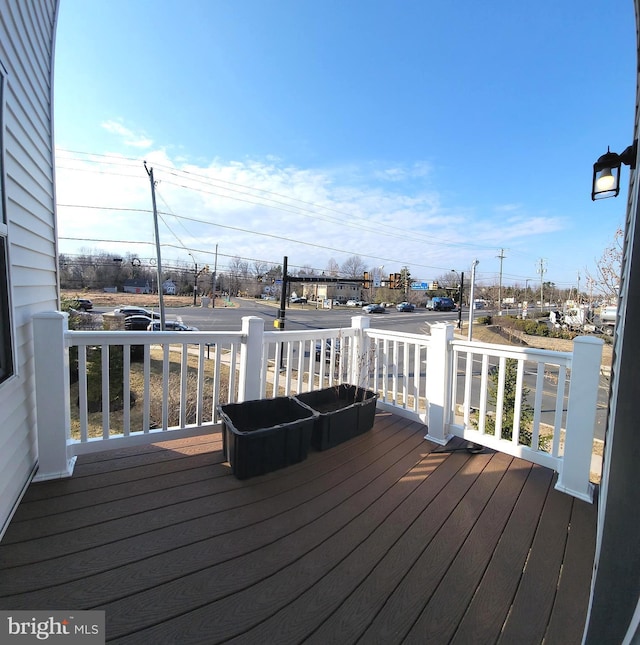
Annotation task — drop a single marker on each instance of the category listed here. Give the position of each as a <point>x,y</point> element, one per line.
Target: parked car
<point>373,309</point>
<point>300,300</point>
<point>136,311</point>
<point>171,325</point>
<point>405,306</point>
<point>355,303</point>
<point>137,323</point>
<point>81,304</point>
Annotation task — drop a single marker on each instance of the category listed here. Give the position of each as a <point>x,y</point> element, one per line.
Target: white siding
<point>27,31</point>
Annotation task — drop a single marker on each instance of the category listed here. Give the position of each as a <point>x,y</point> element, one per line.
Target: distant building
<point>169,287</point>
<point>342,292</point>
<point>137,286</point>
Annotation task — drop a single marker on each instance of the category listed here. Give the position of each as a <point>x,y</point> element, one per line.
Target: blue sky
<point>409,132</point>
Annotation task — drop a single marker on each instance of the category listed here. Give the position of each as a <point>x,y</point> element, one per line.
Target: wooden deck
<point>387,538</point>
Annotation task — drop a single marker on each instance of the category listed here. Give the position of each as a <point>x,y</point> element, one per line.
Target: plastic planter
<point>344,412</point>
<point>265,435</point>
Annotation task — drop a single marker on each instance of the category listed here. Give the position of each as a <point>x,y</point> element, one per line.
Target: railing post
<point>438,385</point>
<point>53,416</point>
<point>360,356</point>
<point>581,416</point>
<point>250,359</point>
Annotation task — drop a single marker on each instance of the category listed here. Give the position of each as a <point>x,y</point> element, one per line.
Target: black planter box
<point>344,412</point>
<point>265,435</point>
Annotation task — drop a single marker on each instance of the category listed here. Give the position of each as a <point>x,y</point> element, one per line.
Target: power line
<point>283,206</point>
<point>243,230</point>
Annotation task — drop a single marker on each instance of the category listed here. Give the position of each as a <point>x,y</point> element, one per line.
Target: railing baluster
<point>126,394</point>
<point>202,364</point>
<point>537,405</point>
<point>82,392</point>
<point>467,389</point>
<point>562,380</point>
<point>165,386</point>
<point>484,393</point>
<point>502,368</point>
<point>517,407</point>
<point>184,373</point>
<point>215,385</point>
<point>301,353</point>
<point>106,399</point>
<point>146,412</point>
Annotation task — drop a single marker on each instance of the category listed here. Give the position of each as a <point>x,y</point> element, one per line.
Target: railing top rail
<point>309,334</point>
<point>401,335</point>
<point>527,353</point>
<point>76,337</point>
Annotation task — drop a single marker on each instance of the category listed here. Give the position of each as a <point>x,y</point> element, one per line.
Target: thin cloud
<point>129,138</point>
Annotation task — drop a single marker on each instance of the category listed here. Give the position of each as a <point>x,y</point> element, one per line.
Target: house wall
<point>27,31</point>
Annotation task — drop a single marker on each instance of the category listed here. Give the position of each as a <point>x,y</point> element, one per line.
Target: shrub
<point>484,320</point>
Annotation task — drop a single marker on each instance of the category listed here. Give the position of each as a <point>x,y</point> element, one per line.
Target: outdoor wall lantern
<point>606,172</point>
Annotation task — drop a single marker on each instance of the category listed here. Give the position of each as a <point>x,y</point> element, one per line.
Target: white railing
<point>511,398</point>
<point>188,379</point>
<point>302,361</point>
<point>533,404</point>
<point>397,368</point>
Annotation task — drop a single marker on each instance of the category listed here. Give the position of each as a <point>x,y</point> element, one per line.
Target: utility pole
<point>195,280</point>
<point>215,271</point>
<point>157,236</point>
<point>502,256</point>
<point>542,269</point>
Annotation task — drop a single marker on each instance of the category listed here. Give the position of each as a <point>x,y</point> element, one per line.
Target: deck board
<point>490,605</point>
<point>386,538</point>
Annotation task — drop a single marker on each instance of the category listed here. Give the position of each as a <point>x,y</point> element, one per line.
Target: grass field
<point>102,299</point>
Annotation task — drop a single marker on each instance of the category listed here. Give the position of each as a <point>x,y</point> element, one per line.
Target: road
<point>305,317</point>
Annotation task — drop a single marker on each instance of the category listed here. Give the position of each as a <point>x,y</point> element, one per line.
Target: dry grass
<point>147,300</point>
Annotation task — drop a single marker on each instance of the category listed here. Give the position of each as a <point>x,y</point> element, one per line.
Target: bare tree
<point>333,268</point>
<point>259,268</point>
<point>448,280</point>
<point>606,281</point>
<point>237,275</point>
<point>353,267</point>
